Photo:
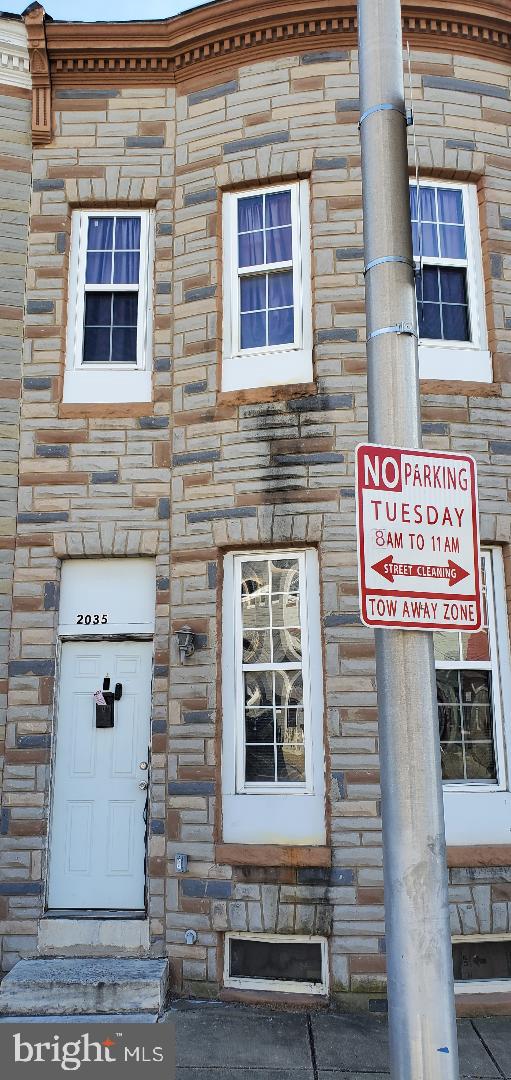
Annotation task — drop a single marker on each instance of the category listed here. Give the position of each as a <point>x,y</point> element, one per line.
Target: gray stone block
<point>34,383</point>
<point>144,142</point>
<point>346,618</point>
<point>460,144</point>
<point>204,888</point>
<point>195,516</point>
<point>76,95</point>
<point>109,477</point>
<point>347,105</point>
<point>31,667</point>
<point>465,86</point>
<point>196,457</point>
<point>336,334</point>
<point>42,518</point>
<point>60,450</point>
<point>324,56</point>
<point>195,198</point>
<point>346,254</point>
<point>40,307</point>
<point>326,163</point>
<point>212,92</point>
<point>205,293</point>
<point>48,185</point>
<point>496,265</point>
<point>197,716</point>
<point>191,787</point>
<point>321,403</point>
<point>256,141</point>
<point>196,387</point>
<point>153,423</point>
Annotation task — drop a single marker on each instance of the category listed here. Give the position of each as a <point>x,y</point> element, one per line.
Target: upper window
<point>450,299</point>
<point>267,316</point>
<point>469,698</point>
<point>109,323</point>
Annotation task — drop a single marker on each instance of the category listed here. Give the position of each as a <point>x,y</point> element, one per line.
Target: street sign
<point>418,539</point>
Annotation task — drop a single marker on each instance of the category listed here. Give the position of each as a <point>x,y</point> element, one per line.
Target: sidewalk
<point>228,1042</point>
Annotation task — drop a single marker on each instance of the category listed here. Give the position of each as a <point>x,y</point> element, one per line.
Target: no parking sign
<point>418,539</point>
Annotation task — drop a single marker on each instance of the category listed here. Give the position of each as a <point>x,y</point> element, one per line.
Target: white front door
<point>97,839</point>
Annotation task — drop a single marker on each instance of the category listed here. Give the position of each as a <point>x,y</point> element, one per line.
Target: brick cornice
<point>212,38</point>
<point>216,34</point>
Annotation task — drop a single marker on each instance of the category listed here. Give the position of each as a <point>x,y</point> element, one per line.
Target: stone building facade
<point>181,472</point>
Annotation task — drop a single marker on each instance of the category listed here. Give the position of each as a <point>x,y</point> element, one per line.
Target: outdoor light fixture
<point>186,642</point>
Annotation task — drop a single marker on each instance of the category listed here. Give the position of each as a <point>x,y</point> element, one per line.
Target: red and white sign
<point>418,539</point>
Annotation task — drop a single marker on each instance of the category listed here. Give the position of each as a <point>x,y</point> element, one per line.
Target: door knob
<point>143,765</point>
<point>143,785</point>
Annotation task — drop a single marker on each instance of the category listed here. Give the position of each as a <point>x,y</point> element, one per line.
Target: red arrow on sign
<point>389,570</point>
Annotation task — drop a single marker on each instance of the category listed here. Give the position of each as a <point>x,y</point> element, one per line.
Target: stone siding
<point>223,471</point>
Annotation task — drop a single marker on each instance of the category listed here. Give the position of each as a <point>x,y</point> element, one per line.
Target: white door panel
<point>97,840</point>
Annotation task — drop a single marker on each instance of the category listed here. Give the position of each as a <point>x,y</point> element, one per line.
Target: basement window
<point>296,965</point>
<point>482,960</point>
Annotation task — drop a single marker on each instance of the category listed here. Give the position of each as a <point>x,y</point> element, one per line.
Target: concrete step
<point>84,987</point>
<point>90,1018</point>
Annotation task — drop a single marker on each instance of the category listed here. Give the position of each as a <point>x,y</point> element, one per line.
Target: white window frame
<point>108,382</point>
<point>461,360</point>
<point>272,812</point>
<point>275,364</point>
<point>477,812</point>
<point>284,986</point>
<point>271,786</point>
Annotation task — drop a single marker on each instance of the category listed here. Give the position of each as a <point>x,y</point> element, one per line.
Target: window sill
<point>479,855</point>
<point>89,386</point>
<point>272,855</point>
<point>286,368</point>
<point>255,395</point>
<point>464,365</point>
<point>458,386</point>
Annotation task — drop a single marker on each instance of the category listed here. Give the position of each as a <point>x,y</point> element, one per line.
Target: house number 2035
<point>91,620</point>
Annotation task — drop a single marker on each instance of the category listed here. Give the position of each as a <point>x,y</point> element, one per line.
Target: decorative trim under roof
<point>208,39</point>
<point>40,70</point>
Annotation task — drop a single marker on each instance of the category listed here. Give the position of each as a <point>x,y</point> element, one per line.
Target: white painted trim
<point>273,813</point>
<point>110,383</point>
<point>480,813</point>
<point>277,365</point>
<point>122,589</point>
<point>70,937</point>
<point>278,985</point>
<point>464,360</point>
<point>483,986</point>
<point>14,61</point>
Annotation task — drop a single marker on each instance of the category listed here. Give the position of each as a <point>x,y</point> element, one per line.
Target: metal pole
<point>423,1044</point>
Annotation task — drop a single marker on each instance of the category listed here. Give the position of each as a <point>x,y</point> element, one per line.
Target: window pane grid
<point>111,287</point>
<point>273,691</point>
<point>465,685</point>
<point>265,270</point>
<point>442,289</point>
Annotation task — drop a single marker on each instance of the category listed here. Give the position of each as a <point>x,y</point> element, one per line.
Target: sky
<point>106,10</point>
